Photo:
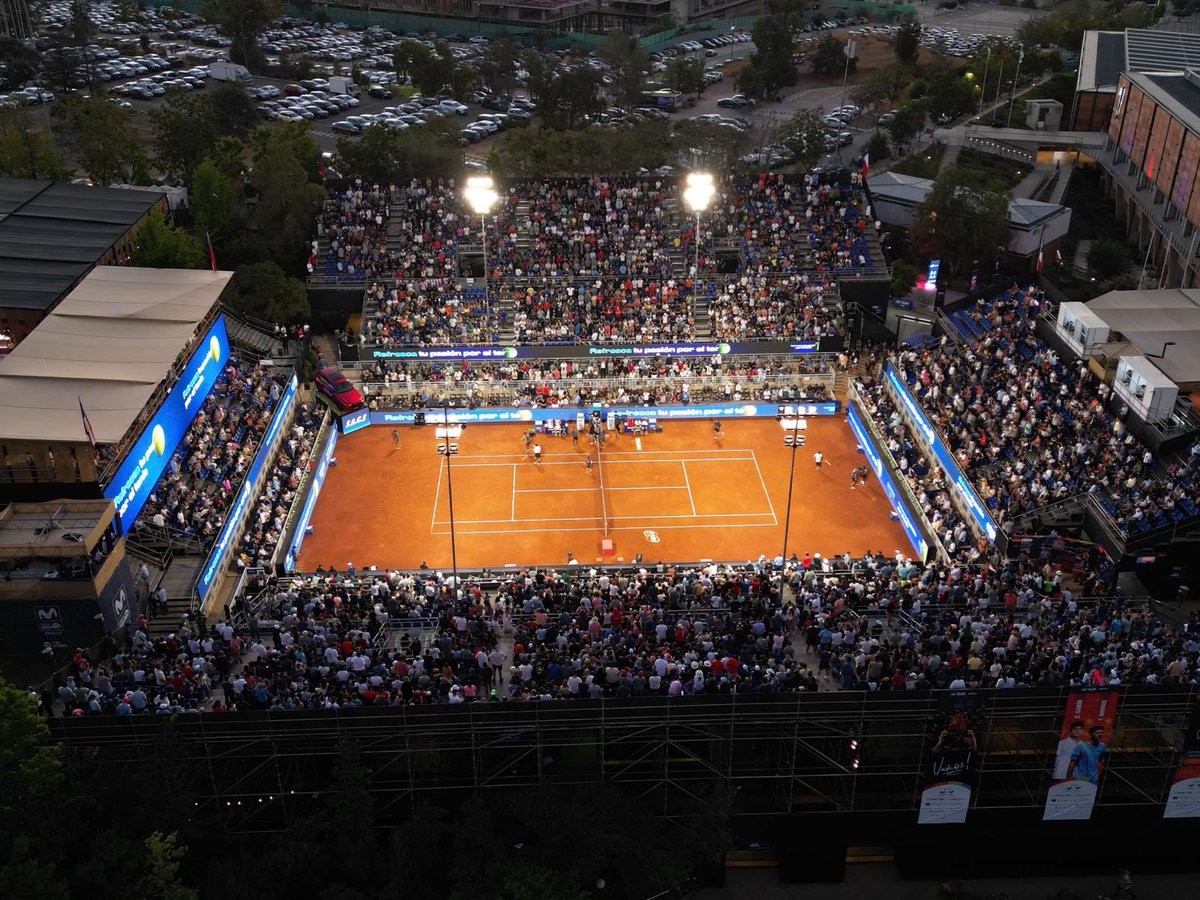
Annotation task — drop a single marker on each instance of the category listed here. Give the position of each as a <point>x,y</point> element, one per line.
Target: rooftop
<point>41,529</point>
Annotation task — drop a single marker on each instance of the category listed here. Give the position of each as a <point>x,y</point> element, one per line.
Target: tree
<point>572,94</point>
<point>772,60</point>
<point>1109,258</point>
<point>807,138</point>
<point>829,58</point>
<point>158,245</point>
<point>242,21</point>
<point>233,109</point>
<point>907,123</point>
<point>102,138</point>
<point>1181,8</point>
<point>540,79</point>
<point>160,880</point>
<point>950,95</point>
<point>904,279</point>
<point>498,67</point>
<point>28,151</point>
<point>908,42</point>
<point>287,199</point>
<point>21,62</point>
<point>210,199</point>
<point>878,147</point>
<point>708,146</point>
<point>963,219</point>
<point>627,62</point>
<point>685,75</point>
<point>383,155</point>
<point>263,290</point>
<point>184,131</point>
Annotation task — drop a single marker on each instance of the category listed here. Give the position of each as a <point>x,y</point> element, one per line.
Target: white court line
<point>606,453</point>
<point>513,514</point>
<point>653,487</point>
<point>613,462</point>
<point>641,518</point>
<point>764,486</point>
<point>688,482</point>
<point>437,495</point>
<point>597,529</point>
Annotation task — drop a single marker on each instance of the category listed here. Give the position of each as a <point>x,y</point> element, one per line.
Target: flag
<point>1041,246</point>
<point>866,164</point>
<point>212,256</point>
<point>87,427</point>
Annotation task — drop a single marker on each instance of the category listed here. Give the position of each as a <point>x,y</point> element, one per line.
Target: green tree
<point>573,93</point>
<point>806,138</point>
<point>242,21</point>
<point>685,75</point>
<point>233,110</point>
<point>878,147</point>
<point>21,62</point>
<point>829,58</point>
<point>533,881</point>
<point>707,146</point>
<point>904,279</point>
<point>382,154</point>
<point>963,219</point>
<point>263,290</point>
<point>498,67</point>
<point>298,142</point>
<point>540,80</point>
<point>408,58</point>
<point>908,42</point>
<point>184,131</point>
<point>1109,258</point>
<point>102,138</point>
<point>158,245</point>
<point>950,95</point>
<point>287,199</point>
<point>628,61</point>
<point>907,123</point>
<point>160,880</point>
<point>27,150</point>
<point>771,61</point>
<point>210,200</point>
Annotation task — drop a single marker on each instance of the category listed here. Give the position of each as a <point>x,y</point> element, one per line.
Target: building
<point>1032,224</point>
<point>1105,55</point>
<point>1150,158</point>
<point>52,235</point>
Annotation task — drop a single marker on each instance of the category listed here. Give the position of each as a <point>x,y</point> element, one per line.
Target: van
<point>340,84</point>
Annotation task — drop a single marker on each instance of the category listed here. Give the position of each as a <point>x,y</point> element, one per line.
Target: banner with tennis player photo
<point>951,762</point>
<point>1079,758</point>
<point>1183,800</point>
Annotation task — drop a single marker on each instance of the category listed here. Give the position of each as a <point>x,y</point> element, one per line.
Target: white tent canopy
<point>1150,319</point>
<point>108,345</point>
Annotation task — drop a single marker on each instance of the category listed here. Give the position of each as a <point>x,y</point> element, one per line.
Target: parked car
<point>334,385</point>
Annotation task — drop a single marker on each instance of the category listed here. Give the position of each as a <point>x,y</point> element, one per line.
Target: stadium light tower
<point>698,194</point>
<point>480,194</point>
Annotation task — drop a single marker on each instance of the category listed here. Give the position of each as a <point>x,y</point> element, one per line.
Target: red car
<point>333,384</point>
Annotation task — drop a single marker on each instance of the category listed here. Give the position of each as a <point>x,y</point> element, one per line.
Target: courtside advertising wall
<point>148,456</point>
<point>596,351</point>
<point>907,522</point>
<point>929,437</point>
<point>314,489</point>
<point>235,520</point>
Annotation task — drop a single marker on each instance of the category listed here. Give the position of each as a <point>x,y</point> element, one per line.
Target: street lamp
<point>480,194</point>
<point>698,194</point>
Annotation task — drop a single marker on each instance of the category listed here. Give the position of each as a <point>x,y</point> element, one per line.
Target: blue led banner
<point>310,501</point>
<point>586,351</point>
<point>954,475</point>
<point>217,558</point>
<point>146,459</point>
<point>352,421</point>
<point>919,544</point>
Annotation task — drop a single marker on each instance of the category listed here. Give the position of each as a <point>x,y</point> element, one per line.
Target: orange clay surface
<point>682,496</point>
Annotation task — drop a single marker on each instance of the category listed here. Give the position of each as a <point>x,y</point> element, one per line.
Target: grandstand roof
<point>51,234</point>
<point>107,345</point>
<point>1106,54</point>
<point>1149,319</point>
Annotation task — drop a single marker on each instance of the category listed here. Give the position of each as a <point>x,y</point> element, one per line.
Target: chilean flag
<point>866,164</point>
<point>87,427</point>
<point>212,256</point>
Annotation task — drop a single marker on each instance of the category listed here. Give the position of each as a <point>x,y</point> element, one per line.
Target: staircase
<point>700,313</point>
<point>251,340</point>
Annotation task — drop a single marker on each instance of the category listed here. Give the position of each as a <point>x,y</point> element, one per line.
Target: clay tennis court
<point>681,496</point>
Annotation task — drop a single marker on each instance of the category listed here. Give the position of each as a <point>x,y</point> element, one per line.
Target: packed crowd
<point>335,639</point>
<point>644,381</point>
<point>193,494</point>
<point>595,259</point>
<point>1031,429</point>
<point>266,523</point>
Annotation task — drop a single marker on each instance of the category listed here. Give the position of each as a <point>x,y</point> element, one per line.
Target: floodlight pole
<point>450,492</point>
<point>696,281</point>
<point>787,518</point>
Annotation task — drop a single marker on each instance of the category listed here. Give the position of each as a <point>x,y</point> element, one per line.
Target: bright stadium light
<point>480,194</point>
<point>698,194</point>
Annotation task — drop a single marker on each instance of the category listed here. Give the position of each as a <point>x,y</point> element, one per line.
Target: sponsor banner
<point>237,512</point>
<point>714,411</point>
<point>134,480</point>
<point>310,501</point>
<point>949,775</point>
<point>954,475</point>
<point>875,460</point>
<point>1183,800</point>
<point>49,621</point>
<point>360,418</point>
<point>585,351</point>
<point>1087,726</point>
<point>118,600</point>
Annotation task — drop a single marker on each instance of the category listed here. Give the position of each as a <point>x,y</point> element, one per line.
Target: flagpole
<point>1013,100</point>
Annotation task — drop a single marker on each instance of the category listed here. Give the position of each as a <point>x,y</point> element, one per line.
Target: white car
<point>453,106</point>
